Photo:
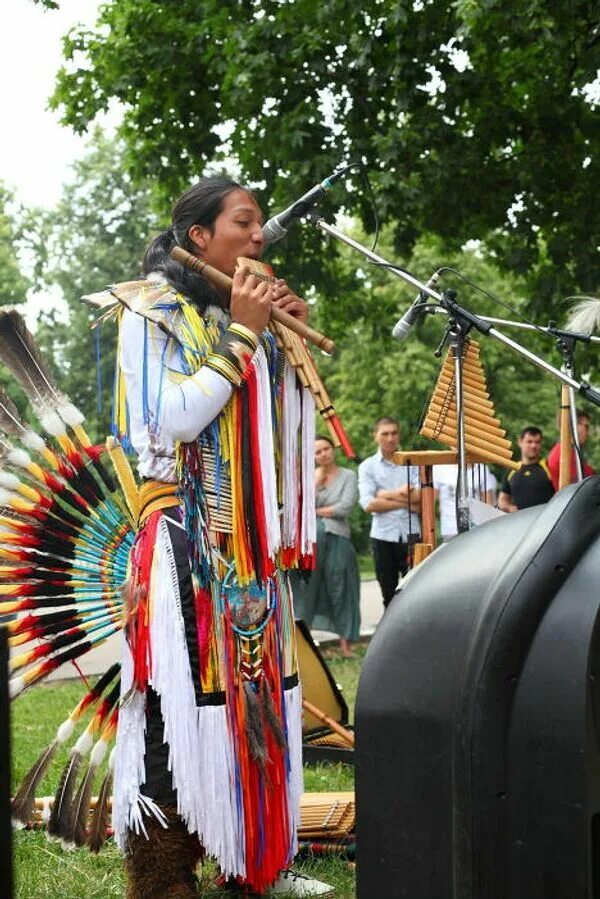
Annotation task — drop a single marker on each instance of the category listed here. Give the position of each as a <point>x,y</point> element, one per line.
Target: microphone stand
<point>447,303</point>
<point>462,320</point>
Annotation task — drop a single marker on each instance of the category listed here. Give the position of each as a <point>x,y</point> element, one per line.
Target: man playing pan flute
<point>209,741</point>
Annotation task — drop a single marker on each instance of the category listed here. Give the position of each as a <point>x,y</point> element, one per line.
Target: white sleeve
<point>177,407</point>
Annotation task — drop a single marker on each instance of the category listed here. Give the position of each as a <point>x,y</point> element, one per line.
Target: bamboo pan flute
<point>290,335</point>
<point>224,282</point>
<point>330,815</point>
<point>483,435</point>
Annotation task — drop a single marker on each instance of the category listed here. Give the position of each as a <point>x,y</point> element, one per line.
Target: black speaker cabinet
<point>5,825</point>
<point>478,716</point>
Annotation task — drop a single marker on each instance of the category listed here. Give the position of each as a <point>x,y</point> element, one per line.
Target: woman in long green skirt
<point>330,599</point>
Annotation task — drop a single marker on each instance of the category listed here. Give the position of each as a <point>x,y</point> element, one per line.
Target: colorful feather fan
<point>66,530</point>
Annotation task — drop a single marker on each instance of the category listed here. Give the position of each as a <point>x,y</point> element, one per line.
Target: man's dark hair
<point>199,205</point>
<point>581,413</point>
<point>385,420</point>
<point>531,429</point>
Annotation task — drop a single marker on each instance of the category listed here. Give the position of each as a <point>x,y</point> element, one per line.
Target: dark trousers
<point>391,561</point>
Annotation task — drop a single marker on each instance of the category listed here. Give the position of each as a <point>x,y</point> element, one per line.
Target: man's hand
<point>401,496</point>
<point>251,300</point>
<point>285,299</point>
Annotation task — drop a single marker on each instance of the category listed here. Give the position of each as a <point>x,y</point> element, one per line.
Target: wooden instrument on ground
<point>485,441</point>
<point>343,732</point>
<point>289,333</point>
<point>330,815</point>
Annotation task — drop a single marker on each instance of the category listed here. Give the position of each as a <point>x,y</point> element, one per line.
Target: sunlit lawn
<point>45,871</point>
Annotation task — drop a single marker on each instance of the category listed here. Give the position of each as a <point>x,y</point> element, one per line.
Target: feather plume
<point>60,825</point>
<point>584,316</point>
<point>20,353</point>
<point>10,420</point>
<point>100,818</point>
<point>24,800</point>
<point>254,727</point>
<point>271,716</point>
<point>81,806</point>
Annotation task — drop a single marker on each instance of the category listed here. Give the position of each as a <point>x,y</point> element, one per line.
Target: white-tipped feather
<point>84,743</point>
<point>584,316</point>
<point>33,441</point>
<point>5,496</point>
<point>52,423</point>
<point>19,457</point>
<point>98,753</point>
<point>65,730</point>
<point>16,686</point>
<point>70,414</point>
<point>9,481</point>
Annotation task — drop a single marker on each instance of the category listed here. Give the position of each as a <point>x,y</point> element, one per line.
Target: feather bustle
<point>24,799</point>
<point>60,825</point>
<point>98,831</point>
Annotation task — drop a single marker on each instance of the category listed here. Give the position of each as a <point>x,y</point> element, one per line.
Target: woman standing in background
<point>330,600</point>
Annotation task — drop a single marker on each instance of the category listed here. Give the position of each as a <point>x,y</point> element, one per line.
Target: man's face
<point>531,448</point>
<point>237,231</point>
<point>583,429</point>
<point>387,438</point>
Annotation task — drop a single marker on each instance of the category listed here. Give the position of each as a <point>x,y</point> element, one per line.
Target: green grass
<point>45,871</point>
<point>365,567</point>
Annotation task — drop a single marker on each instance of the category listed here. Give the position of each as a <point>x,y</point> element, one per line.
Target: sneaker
<point>292,883</point>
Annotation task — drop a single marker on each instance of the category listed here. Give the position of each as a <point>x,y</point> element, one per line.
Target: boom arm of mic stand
<point>590,393</point>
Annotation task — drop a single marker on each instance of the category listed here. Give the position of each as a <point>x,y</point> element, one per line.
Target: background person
<point>532,484</point>
<point>481,485</point>
<point>583,432</point>
<point>330,599</point>
<point>384,489</point>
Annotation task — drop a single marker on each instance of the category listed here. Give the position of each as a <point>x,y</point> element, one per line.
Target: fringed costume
<point>224,436</point>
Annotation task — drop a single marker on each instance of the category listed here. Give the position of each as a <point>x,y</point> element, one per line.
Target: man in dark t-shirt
<point>532,483</point>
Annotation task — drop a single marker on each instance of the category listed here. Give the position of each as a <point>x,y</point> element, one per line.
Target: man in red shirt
<point>583,429</point>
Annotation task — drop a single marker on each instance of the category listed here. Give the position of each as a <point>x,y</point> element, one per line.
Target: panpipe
<point>291,336</point>
<point>223,283</point>
<point>330,815</point>
<point>485,440</point>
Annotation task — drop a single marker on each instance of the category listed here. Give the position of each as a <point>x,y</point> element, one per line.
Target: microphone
<point>277,226</point>
<point>412,315</point>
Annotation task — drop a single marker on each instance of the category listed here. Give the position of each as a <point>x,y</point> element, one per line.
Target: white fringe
<point>295,785</point>
<point>267,452</point>
<point>201,758</point>
<point>308,534</point>
<point>130,771</point>
<point>291,415</point>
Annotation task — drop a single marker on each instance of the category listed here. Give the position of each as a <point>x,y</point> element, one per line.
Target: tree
<point>13,283</point>
<point>475,120</point>
<point>94,238</point>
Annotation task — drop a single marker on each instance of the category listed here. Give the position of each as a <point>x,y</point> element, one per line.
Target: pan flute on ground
<point>322,815</point>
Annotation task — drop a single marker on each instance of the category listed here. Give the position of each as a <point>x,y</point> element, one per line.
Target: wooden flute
<point>224,282</point>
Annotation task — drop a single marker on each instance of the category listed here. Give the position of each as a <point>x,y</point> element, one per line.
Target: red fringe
<point>138,623</point>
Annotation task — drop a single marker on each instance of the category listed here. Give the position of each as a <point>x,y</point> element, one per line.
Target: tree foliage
<point>473,118</point>
<point>95,237</point>
<point>14,284</point>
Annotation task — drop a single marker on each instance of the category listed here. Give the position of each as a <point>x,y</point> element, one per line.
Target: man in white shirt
<point>391,497</point>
